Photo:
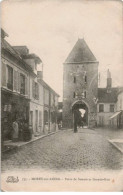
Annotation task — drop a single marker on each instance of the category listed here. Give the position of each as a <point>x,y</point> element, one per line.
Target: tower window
<point>85,79</point>
<point>74,94</point>
<point>84,94</point>
<point>74,79</point>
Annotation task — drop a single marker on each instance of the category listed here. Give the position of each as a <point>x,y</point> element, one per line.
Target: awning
<point>114,115</point>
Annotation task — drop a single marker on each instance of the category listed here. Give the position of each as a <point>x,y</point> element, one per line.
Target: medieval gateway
<point>98,106</point>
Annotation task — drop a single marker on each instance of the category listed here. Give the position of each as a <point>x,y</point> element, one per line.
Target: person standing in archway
<point>76,118</point>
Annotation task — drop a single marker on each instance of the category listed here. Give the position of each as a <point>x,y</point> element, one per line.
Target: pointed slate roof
<point>80,53</point>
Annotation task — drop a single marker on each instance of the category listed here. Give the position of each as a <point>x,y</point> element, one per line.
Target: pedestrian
<point>75,121</point>
<point>15,131</point>
<point>75,127</point>
<point>20,130</point>
<point>82,124</point>
<point>26,132</point>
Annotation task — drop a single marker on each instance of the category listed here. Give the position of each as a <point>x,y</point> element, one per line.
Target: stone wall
<point>77,72</point>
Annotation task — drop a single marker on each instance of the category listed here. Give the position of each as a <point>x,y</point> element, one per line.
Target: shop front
<point>13,107</point>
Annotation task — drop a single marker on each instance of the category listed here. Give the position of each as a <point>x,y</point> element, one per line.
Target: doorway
<point>80,114</point>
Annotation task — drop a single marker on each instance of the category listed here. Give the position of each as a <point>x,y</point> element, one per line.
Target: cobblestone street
<point>66,150</point>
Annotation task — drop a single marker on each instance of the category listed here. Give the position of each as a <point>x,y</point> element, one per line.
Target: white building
<point>110,105</point>
<point>116,120</point>
<point>106,106</point>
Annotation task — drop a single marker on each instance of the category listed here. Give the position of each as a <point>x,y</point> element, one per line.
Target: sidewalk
<point>118,143</point>
<point>9,145</point>
<point>114,136</point>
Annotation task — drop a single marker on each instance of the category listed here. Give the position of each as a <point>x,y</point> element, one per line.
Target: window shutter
<point>38,91</point>
<point>15,80</point>
<point>33,89</point>
<point>3,74</point>
<point>18,76</point>
<point>40,119</point>
<point>26,86</point>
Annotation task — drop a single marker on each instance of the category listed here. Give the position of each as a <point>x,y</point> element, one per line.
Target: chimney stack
<point>109,80</point>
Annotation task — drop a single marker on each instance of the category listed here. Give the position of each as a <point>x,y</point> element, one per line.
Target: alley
<point>66,150</point>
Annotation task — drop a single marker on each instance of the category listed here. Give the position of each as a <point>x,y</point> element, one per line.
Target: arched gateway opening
<point>80,114</point>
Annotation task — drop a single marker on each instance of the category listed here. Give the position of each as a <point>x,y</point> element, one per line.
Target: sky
<point>50,29</point>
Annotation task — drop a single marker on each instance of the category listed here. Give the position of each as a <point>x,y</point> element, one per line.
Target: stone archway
<point>80,110</point>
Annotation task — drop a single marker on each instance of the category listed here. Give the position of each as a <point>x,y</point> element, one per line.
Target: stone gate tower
<point>80,84</point>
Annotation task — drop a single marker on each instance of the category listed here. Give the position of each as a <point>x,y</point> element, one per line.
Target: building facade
<point>80,85</point>
<point>107,98</point>
<point>24,95</point>
<point>50,107</point>
<point>109,107</point>
<point>14,87</point>
<point>116,120</point>
<point>35,91</point>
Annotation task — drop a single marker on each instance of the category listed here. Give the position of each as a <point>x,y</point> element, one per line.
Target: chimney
<point>109,80</point>
<point>40,74</point>
<point>22,50</point>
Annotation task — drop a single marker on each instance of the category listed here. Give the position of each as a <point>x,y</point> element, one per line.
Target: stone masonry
<point>80,76</point>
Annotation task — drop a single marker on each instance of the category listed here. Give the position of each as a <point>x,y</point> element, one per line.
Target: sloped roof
<point>32,56</point>
<point>3,33</point>
<point>105,97</point>
<point>80,53</point>
<point>120,90</point>
<point>6,46</point>
<point>47,86</point>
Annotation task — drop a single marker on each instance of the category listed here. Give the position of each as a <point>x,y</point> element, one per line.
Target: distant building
<point>50,107</point>
<point>80,85</point>
<point>60,111</point>
<point>107,98</point>
<point>116,120</point>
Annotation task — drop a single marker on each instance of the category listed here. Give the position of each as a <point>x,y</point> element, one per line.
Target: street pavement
<point>110,133</point>
<point>114,136</point>
<point>65,150</point>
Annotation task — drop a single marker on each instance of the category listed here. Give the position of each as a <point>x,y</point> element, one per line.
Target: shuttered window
<point>15,80</point>
<point>18,78</point>
<point>36,91</point>
<point>22,84</point>
<point>33,89</point>
<point>10,78</point>
<point>26,86</point>
<point>3,74</point>
<point>40,119</point>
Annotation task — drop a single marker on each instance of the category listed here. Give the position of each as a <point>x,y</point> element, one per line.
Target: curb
<point>31,141</point>
<point>115,145</point>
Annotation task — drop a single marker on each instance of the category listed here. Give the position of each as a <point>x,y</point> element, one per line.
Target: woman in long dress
<point>15,131</point>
